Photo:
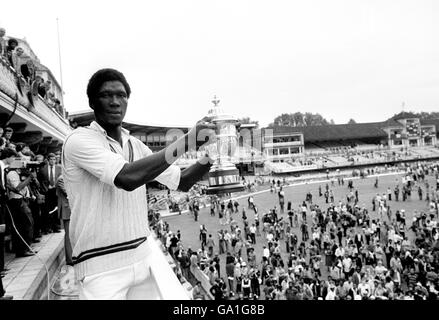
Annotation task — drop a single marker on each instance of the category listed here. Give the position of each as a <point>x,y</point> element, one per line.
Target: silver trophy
<point>223,175</point>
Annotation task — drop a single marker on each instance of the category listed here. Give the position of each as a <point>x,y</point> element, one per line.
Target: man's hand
<point>33,175</point>
<point>206,159</point>
<point>203,133</point>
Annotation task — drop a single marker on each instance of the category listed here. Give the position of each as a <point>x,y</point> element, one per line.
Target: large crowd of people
<point>337,251</point>
<point>29,208</point>
<point>28,71</point>
<point>342,250</point>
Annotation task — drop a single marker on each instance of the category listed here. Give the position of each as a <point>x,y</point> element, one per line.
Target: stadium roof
<point>340,131</point>
<point>371,130</point>
<point>431,121</point>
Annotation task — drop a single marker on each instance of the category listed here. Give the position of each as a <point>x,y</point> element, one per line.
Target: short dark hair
<point>11,41</point>
<point>101,76</point>
<point>51,155</point>
<point>7,153</point>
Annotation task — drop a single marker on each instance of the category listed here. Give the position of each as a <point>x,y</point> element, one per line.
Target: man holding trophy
<point>105,171</point>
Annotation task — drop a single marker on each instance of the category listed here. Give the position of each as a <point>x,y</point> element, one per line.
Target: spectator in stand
<point>12,44</point>
<point>40,158</point>
<point>7,135</point>
<point>173,244</point>
<point>19,58</point>
<point>37,202</point>
<point>27,70</point>
<point>58,107</point>
<point>197,292</point>
<point>58,156</point>
<point>50,99</point>
<point>47,177</point>
<point>64,215</point>
<point>19,195</point>
<point>2,42</point>
<point>184,261</point>
<point>36,84</point>
<point>41,87</point>
<point>48,86</point>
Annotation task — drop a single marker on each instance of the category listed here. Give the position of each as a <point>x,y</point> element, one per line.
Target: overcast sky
<point>342,59</point>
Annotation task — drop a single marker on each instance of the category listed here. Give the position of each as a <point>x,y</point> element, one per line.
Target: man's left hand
<point>203,129</point>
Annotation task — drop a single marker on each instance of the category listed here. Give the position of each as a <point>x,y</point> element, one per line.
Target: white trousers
<point>149,279</point>
<point>113,284</point>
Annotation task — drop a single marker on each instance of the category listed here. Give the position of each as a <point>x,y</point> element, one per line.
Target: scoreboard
<point>413,128</point>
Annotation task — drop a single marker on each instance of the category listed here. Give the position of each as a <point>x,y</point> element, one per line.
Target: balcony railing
<point>50,116</point>
<point>8,85</point>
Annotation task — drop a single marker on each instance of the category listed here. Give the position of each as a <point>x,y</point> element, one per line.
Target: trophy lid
<point>218,114</point>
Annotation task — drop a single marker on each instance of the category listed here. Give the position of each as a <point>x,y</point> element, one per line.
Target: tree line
<point>299,119</point>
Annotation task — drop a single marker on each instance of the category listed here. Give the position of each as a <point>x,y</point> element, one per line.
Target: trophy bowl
<point>223,175</point>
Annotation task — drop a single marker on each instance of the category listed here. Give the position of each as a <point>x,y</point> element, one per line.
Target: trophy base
<point>224,180</point>
<point>225,189</point>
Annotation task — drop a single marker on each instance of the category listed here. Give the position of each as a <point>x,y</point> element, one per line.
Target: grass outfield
<point>190,229</point>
